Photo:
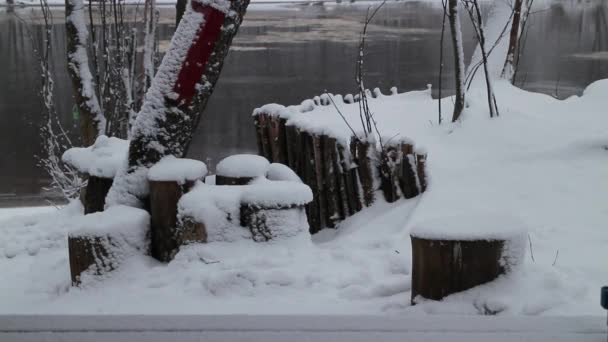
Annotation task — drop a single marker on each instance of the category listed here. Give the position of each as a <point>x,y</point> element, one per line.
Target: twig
<point>340,113</point>
<point>531,250</point>
<point>555,259</point>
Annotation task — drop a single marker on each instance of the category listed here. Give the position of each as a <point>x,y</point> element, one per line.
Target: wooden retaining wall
<point>343,176</point>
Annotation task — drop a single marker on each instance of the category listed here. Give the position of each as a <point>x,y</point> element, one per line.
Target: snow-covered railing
<point>344,170</point>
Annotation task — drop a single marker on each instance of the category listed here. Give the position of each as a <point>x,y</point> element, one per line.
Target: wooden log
<point>282,141</point>
<point>95,194</point>
<point>421,171</point>
<point>292,148</point>
<point>166,236</point>
<point>103,240</point>
<point>273,139</point>
<point>390,165</point>
<point>259,134</point>
<point>318,174</point>
<point>339,181</point>
<point>268,223</point>
<point>408,177</point>
<point>191,231</point>
<point>262,132</point>
<point>361,151</point>
<point>310,179</point>
<point>444,267</point>
<point>330,185</point>
<point>87,253</point>
<point>351,178</point>
<point>227,180</point>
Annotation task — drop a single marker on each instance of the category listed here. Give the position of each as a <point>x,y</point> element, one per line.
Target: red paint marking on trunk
<point>198,55</point>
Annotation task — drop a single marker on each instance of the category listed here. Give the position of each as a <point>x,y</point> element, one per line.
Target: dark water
<point>288,55</point>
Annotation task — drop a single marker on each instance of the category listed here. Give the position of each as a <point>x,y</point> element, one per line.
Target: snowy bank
<point>542,161</point>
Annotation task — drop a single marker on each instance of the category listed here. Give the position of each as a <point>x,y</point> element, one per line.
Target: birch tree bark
<point>92,120</point>
<point>509,69</point>
<point>459,70</point>
<point>180,90</point>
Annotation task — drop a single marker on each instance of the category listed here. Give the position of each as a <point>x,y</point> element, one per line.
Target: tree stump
<point>95,194</point>
<point>440,267</point>
<point>456,254</point>
<point>103,240</point>
<point>240,169</point>
<point>90,253</point>
<point>269,214</point>
<point>169,180</point>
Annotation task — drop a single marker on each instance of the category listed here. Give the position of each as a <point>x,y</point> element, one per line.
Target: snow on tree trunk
<point>458,58</point>
<point>150,33</point>
<point>92,120</point>
<point>509,68</point>
<point>185,80</point>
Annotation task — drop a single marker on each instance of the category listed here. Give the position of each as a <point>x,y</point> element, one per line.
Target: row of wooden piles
<point>343,176</point>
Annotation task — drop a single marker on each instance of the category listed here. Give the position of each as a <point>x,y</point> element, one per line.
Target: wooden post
<point>360,150</point>
<point>89,252</point>
<point>317,165</point>
<point>390,163</point>
<point>95,194</point>
<point>227,180</point>
<point>443,267</point>
<point>420,168</point>
<point>408,176</point>
<point>166,237</point>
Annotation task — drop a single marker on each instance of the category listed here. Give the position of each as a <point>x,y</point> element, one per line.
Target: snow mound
<point>281,172</point>
<point>470,227</point>
<point>269,194</point>
<point>242,165</point>
<point>102,159</point>
<point>179,170</point>
<point>219,207</point>
<point>127,226</point>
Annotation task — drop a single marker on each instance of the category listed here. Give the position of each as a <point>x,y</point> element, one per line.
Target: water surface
<point>286,55</point>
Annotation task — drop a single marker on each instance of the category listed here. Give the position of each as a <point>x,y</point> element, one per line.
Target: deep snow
<point>543,161</point>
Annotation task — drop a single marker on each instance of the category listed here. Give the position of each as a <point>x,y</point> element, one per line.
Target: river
<point>284,55</point>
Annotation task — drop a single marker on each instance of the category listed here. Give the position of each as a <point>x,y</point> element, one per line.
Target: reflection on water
<point>286,55</point>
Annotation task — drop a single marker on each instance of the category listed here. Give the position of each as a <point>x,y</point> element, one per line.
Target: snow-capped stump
<point>274,209</point>
<point>453,254</point>
<point>240,169</point>
<point>169,179</point>
<point>281,172</point>
<point>99,162</point>
<point>103,240</point>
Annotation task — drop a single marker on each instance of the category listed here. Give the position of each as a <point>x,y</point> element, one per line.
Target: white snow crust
<point>178,170</point>
<point>281,172</point>
<point>469,227</point>
<point>242,165</point>
<point>218,207</point>
<point>102,159</point>
<point>265,193</point>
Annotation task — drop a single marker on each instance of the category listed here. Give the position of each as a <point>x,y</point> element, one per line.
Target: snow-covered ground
<point>543,161</point>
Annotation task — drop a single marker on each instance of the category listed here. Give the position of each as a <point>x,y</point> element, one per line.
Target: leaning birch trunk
<point>149,35</point>
<point>179,91</point>
<point>509,69</point>
<point>92,120</point>
<point>458,58</point>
